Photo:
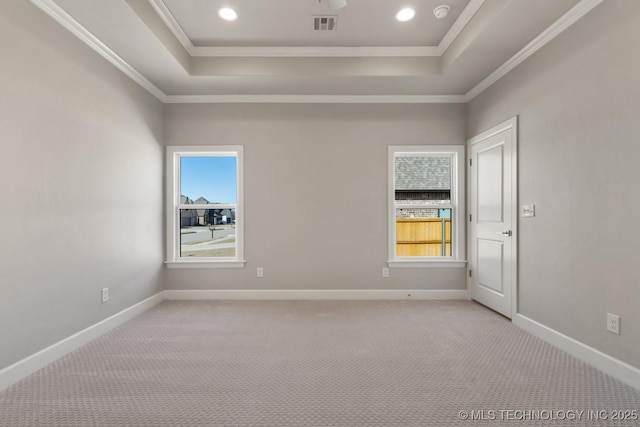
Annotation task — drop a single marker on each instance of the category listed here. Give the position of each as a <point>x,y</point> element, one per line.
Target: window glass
<point>205,180</point>
<point>422,232</point>
<point>422,184</point>
<point>425,183</point>
<point>423,179</point>
<point>205,207</point>
<point>207,233</point>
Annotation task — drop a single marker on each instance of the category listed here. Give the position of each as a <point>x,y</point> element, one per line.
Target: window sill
<point>424,263</point>
<point>205,264</point>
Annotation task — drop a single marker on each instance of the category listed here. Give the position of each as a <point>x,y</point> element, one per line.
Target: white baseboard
<point>610,365</point>
<point>25,367</point>
<point>330,294</point>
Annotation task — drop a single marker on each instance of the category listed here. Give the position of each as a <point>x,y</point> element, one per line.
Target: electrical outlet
<point>260,272</point>
<point>613,323</point>
<point>385,272</point>
<point>105,294</point>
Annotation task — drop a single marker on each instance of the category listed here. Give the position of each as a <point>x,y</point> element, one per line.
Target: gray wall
<point>81,184</point>
<point>578,102</point>
<point>315,191</point>
<point>81,179</point>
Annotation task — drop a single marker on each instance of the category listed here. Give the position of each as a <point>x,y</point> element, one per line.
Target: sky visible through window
<point>213,178</point>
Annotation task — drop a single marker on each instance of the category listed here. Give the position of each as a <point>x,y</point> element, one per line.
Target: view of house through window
<point>208,201</point>
<point>423,207</point>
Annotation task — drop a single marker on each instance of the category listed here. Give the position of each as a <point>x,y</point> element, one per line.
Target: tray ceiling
<point>182,51</point>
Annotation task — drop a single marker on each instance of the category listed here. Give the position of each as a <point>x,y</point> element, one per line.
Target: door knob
<point>505,233</point>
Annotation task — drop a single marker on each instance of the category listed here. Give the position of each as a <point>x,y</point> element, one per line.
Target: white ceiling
<point>181,51</point>
<point>289,23</point>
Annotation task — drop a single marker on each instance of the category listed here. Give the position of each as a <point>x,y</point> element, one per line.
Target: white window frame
<point>174,154</point>
<point>458,250</point>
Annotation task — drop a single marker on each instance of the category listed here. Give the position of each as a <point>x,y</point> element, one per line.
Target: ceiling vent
<point>325,23</point>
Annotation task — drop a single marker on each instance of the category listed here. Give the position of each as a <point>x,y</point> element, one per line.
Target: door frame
<point>511,125</point>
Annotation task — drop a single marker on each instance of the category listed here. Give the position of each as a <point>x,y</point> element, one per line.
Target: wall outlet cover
<point>613,323</point>
<point>528,211</point>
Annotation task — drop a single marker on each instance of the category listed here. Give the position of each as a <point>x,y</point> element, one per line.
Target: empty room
<point>319,213</point>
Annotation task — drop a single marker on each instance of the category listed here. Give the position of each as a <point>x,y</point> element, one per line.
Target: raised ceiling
<point>181,51</point>
<point>289,23</point>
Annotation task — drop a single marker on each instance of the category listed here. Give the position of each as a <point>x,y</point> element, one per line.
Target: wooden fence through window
<point>423,236</point>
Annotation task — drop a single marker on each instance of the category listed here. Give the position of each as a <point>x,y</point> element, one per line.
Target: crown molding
<point>73,26</point>
<point>315,99</point>
<point>458,26</point>
<point>553,31</point>
<point>316,51</point>
<point>564,22</point>
<point>170,21</point>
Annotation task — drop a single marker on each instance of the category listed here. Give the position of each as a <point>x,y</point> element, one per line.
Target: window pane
<point>207,233</point>
<point>208,180</point>
<point>423,232</point>
<point>423,178</point>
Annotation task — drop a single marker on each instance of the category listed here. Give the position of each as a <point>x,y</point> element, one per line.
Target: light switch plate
<point>528,211</point>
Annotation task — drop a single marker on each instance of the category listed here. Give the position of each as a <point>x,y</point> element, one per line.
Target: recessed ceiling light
<point>406,15</point>
<point>441,11</point>
<point>228,14</point>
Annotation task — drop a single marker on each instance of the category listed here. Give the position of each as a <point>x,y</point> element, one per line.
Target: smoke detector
<point>441,11</point>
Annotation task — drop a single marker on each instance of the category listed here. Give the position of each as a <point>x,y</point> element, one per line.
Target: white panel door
<point>493,218</point>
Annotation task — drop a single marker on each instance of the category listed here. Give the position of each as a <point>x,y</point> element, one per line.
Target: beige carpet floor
<point>317,363</point>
